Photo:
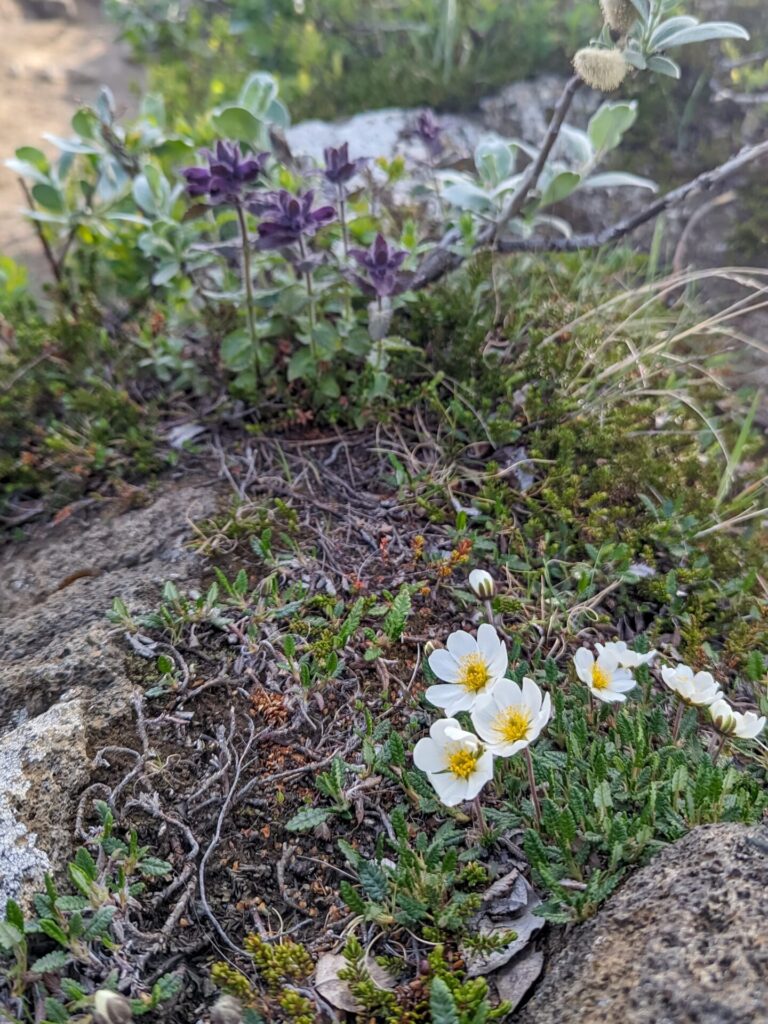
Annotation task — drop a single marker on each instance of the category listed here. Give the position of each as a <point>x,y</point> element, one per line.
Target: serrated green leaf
<point>51,962</point>
<point>308,818</point>
<point>442,1006</point>
<point>373,880</point>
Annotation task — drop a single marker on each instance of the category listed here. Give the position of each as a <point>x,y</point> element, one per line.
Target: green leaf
<point>442,1006</point>
<point>237,123</point>
<point>14,915</point>
<point>703,33</point>
<point>51,962</point>
<point>301,364</point>
<point>664,66</point>
<point>308,818</point>
<point>55,1011</point>
<point>71,904</point>
<point>258,93</point>
<point>100,923</point>
<point>85,861</point>
<point>352,897</point>
<point>373,880</point>
<point>154,867</point>
<point>166,987</point>
<point>33,156</point>
<point>48,197</point>
<point>54,931</point>
<point>560,187</point>
<point>609,123</point>
<point>10,935</point>
<point>618,179</point>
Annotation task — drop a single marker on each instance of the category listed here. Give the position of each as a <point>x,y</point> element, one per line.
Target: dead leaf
<point>330,987</point>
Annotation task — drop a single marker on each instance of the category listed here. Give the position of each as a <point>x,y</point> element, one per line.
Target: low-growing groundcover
<point>271,835</point>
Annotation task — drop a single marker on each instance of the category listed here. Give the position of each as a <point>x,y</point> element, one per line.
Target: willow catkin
<point>620,15</point>
<point>604,70</point>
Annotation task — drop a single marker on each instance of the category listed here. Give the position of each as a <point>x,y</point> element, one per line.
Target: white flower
<point>605,678</point>
<point>469,667</point>
<point>627,658</point>
<point>700,689</point>
<point>747,726</point>
<point>111,1007</point>
<point>455,761</point>
<point>509,718</point>
<point>482,583</point>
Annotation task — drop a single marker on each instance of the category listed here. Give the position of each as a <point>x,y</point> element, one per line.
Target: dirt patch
<point>51,66</point>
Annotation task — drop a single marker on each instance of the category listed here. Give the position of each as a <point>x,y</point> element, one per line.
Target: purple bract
<point>289,218</point>
<point>228,174</point>
<point>339,169</point>
<point>381,264</point>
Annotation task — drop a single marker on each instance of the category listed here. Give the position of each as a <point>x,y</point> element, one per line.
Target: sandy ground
<point>49,67</point>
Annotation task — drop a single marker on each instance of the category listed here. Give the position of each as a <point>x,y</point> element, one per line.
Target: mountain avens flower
<point>510,717</point>
<point>606,679</point>
<point>111,1008</point>
<point>729,722</point>
<point>481,584</point>
<point>468,668</point>
<point>603,70</point>
<point>620,15</point>
<point>627,658</point>
<point>698,690</point>
<point>454,760</point>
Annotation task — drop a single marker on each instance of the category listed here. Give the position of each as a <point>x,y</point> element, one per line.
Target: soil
<point>51,65</point>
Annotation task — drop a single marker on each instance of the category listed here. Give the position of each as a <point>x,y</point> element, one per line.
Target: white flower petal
<point>583,660</point>
<point>428,756</point>
<point>608,696</point>
<point>531,696</point>
<point>450,789</point>
<point>622,685</point>
<point>444,665</point>
<point>461,643</point>
<point>443,695</point>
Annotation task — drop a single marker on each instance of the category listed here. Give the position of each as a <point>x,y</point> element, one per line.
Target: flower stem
<point>248,286</point>
<point>489,611</point>
<point>532,785</point>
<point>343,220</point>
<point>479,814</point>
<point>311,297</point>
<point>678,720</point>
<point>719,748</point>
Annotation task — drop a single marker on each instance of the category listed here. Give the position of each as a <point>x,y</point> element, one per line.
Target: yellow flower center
<point>600,678</point>
<point>463,763</point>
<point>473,673</point>
<point>513,724</point>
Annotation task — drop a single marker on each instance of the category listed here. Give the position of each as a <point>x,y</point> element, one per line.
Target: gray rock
<point>64,688</point>
<point>682,942</point>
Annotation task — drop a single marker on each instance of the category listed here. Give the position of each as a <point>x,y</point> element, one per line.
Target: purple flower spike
<point>289,218</point>
<point>228,173</point>
<point>381,264</point>
<point>339,169</point>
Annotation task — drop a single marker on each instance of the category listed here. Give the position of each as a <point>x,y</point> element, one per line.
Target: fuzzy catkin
<point>620,15</point>
<point>604,70</point>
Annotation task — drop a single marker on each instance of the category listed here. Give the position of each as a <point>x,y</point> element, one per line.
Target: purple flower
<point>339,169</point>
<point>429,131</point>
<point>289,218</point>
<point>381,264</point>
<point>228,173</point>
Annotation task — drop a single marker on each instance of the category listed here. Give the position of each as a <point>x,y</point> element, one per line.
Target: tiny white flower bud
<point>429,647</point>
<point>482,584</point>
<point>723,717</point>
<point>111,1008</point>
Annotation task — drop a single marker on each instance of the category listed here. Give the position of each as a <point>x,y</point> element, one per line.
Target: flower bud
<point>429,647</point>
<point>226,1010</point>
<point>482,584</point>
<point>722,717</point>
<point>620,15</point>
<point>111,1008</point>
<point>603,70</point>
